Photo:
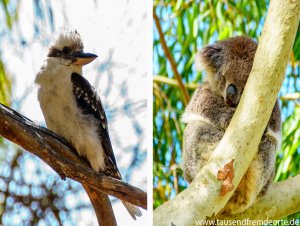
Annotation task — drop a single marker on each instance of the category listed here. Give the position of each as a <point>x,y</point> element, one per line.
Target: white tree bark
<point>282,199</point>
<point>202,198</point>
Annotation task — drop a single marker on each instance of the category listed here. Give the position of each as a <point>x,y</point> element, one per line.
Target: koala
<point>227,65</point>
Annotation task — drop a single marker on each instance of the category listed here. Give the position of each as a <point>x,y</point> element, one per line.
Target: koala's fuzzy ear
<point>210,58</point>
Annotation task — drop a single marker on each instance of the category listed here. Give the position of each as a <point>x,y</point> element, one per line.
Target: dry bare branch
<point>63,159</point>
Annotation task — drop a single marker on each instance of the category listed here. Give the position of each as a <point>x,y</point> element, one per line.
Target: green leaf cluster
<point>5,85</point>
<point>11,15</point>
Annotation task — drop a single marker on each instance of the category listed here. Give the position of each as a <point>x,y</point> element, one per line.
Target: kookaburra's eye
<point>66,50</point>
<point>232,96</point>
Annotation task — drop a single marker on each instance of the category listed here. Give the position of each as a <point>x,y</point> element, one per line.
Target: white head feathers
<point>67,37</point>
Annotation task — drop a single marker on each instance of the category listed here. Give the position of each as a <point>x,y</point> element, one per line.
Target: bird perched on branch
<point>227,64</point>
<point>72,108</point>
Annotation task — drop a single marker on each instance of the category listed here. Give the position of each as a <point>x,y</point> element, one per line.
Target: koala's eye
<point>66,50</point>
<point>232,96</point>
<point>231,90</point>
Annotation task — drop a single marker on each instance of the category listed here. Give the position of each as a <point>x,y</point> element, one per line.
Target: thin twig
<point>291,96</point>
<point>169,56</point>
<point>173,82</point>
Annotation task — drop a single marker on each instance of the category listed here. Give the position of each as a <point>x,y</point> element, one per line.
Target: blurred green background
<point>181,28</point>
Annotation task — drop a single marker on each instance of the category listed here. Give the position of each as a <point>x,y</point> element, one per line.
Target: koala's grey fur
<point>227,63</point>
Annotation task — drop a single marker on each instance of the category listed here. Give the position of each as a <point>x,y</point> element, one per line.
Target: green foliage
<point>5,89</point>
<point>5,86</point>
<point>288,157</point>
<point>10,11</point>
<point>187,26</point>
<point>11,15</point>
<point>288,161</point>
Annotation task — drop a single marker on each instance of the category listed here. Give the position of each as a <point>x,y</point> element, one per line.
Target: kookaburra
<point>72,108</point>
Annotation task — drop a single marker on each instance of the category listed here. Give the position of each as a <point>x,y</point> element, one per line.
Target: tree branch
<point>290,96</point>
<point>62,157</point>
<point>169,56</point>
<point>202,198</point>
<point>270,206</point>
<point>173,82</point>
<point>102,206</point>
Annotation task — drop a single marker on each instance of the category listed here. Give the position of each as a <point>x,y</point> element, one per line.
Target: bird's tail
<point>134,211</point>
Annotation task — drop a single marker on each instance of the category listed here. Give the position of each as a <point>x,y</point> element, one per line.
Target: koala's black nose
<point>232,96</point>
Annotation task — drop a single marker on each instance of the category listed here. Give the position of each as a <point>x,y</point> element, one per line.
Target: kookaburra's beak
<point>83,58</point>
